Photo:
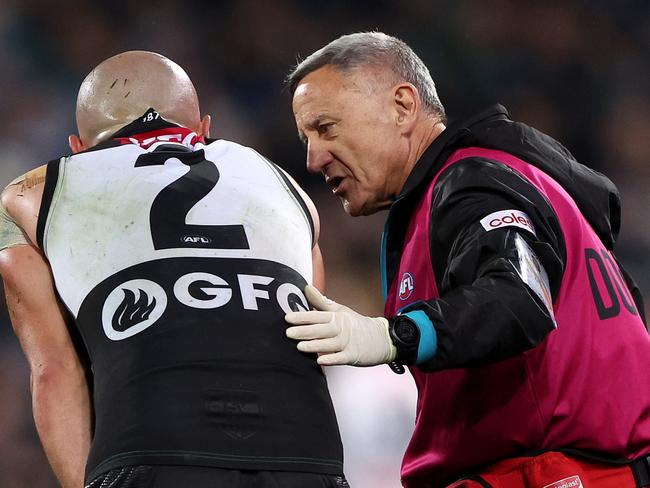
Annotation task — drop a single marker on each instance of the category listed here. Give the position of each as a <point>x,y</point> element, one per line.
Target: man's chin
<point>356,210</point>
<point>349,208</point>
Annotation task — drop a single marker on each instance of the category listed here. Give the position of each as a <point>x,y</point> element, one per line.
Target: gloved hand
<point>339,335</point>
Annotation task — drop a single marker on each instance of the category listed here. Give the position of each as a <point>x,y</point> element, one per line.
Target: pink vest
<point>586,386</point>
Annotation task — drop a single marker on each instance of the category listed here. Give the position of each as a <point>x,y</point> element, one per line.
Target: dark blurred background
<point>578,70</point>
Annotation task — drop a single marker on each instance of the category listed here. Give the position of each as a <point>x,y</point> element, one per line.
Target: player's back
<point>178,262</point>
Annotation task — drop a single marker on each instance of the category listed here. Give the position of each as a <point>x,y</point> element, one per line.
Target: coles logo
<point>406,286</point>
<point>508,218</point>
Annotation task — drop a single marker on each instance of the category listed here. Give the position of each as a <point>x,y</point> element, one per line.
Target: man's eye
<point>324,128</point>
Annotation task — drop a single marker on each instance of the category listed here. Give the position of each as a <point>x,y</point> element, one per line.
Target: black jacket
<point>475,270</point>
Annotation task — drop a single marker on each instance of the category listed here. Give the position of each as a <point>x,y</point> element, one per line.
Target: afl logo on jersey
<point>132,307</point>
<point>406,286</point>
<point>196,240</point>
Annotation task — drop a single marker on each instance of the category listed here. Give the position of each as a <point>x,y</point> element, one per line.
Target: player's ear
<point>75,143</point>
<point>205,126</point>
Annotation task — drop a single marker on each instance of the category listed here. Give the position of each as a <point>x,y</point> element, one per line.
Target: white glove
<point>339,335</point>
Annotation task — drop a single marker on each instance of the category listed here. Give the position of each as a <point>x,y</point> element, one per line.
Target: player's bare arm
<point>60,394</point>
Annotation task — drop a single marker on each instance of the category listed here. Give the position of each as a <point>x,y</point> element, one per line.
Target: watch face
<point>406,331</point>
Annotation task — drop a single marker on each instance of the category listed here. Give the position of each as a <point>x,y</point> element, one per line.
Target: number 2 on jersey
<point>169,210</point>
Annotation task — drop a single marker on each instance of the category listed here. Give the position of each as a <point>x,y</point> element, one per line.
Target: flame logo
<point>131,311</point>
<point>133,306</point>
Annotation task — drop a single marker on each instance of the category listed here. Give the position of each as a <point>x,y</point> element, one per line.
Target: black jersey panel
<point>193,367</point>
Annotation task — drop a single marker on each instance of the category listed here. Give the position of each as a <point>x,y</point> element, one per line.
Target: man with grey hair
<point>172,259</point>
<point>501,286</point>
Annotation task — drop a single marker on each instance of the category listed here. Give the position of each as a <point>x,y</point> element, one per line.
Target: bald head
<point>123,87</point>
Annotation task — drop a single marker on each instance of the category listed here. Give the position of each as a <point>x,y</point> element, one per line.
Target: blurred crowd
<point>576,69</point>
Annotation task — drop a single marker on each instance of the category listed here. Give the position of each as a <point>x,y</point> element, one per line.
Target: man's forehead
<point>326,88</point>
<point>321,82</point>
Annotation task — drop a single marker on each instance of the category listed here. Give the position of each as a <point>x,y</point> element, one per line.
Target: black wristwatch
<point>405,335</point>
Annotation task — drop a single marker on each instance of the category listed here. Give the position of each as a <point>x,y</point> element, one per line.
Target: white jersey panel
<point>99,220</point>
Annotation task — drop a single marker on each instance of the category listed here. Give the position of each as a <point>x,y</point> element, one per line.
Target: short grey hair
<point>373,49</point>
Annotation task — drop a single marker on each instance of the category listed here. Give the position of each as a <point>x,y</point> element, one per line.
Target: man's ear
<point>75,143</point>
<point>406,102</point>
<point>204,129</point>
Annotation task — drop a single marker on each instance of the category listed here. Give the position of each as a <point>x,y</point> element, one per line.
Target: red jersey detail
<point>170,134</point>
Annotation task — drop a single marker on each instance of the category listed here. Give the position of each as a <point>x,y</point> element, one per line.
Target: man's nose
<point>318,157</point>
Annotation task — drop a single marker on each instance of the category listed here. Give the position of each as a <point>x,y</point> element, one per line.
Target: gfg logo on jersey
<point>132,307</point>
<point>406,286</point>
<point>137,304</point>
<point>505,218</point>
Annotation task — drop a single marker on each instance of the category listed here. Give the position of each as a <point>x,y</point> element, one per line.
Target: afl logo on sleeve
<point>406,286</point>
<point>132,307</point>
<point>508,218</point>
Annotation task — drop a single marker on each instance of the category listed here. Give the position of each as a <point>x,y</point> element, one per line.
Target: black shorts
<point>200,477</point>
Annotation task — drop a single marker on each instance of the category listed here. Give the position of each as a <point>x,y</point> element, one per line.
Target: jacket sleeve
<point>498,254</point>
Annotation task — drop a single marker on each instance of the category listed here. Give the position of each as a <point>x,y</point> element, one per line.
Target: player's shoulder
<point>309,204</point>
<point>235,149</point>
<point>18,207</point>
<point>229,149</point>
<point>22,197</point>
<point>27,183</point>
